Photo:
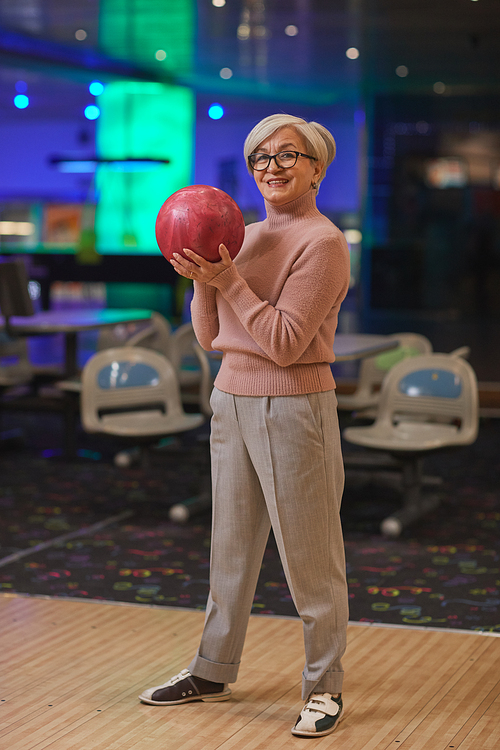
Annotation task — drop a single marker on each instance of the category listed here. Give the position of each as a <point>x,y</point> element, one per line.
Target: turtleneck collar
<point>301,208</point>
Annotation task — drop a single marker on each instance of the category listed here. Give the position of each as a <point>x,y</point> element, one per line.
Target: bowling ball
<point>200,218</point>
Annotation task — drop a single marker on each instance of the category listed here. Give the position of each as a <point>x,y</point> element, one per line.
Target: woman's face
<point>279,186</point>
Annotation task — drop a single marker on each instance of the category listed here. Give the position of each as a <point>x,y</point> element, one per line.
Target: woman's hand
<point>199,269</point>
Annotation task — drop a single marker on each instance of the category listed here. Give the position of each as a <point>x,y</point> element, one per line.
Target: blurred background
<point>109,106</point>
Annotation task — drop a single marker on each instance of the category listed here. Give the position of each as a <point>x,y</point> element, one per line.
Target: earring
<point>314,185</point>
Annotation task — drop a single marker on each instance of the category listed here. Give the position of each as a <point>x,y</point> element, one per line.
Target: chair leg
<point>128,457</point>
<point>71,410</point>
<point>415,505</point>
<point>183,512</point>
<point>145,458</point>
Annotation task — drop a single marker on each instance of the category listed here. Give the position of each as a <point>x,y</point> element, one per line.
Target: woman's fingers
<point>199,260</point>
<point>224,254</point>
<point>194,266</point>
<point>182,266</point>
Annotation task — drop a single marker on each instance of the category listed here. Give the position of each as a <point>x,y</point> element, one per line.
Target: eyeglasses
<point>284,160</point>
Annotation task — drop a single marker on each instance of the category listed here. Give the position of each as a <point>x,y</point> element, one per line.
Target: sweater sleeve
<point>317,282</point>
<point>204,314</point>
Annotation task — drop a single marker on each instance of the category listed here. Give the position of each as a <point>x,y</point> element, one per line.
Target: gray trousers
<point>276,461</point>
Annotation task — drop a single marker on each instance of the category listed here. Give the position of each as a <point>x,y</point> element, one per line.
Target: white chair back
<point>433,389</point>
<point>192,366</point>
<point>183,340</point>
<point>372,370</point>
<point>133,391</point>
<point>156,334</point>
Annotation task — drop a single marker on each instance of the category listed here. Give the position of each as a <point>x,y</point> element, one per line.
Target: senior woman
<point>275,443</point>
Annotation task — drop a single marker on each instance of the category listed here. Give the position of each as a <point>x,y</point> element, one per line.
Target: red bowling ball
<point>200,218</point>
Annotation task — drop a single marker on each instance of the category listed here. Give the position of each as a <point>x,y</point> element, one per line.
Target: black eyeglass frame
<point>275,157</point>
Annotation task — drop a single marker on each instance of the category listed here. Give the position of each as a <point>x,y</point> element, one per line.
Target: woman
<point>275,444</point>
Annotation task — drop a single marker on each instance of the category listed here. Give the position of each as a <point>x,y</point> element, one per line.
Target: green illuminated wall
<point>136,29</point>
<point>143,120</point>
<point>149,120</point>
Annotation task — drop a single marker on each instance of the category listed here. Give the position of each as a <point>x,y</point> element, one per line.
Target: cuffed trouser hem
<point>331,682</point>
<point>213,671</point>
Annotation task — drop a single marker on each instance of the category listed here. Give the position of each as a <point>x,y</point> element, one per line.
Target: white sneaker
<point>320,716</point>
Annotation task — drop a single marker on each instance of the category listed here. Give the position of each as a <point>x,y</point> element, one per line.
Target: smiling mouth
<point>277,182</point>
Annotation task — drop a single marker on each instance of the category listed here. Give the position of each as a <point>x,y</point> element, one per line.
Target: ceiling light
<point>92,112</point>
<point>352,53</point>
<point>291,30</point>
<point>243,31</point>
<point>402,71</point>
<point>160,54</point>
<point>353,236</point>
<point>21,101</point>
<point>96,88</point>
<point>21,228</point>
<point>439,87</point>
<point>80,34</point>
<point>219,3</point>
<point>85,165</point>
<point>215,111</point>
<point>226,73</point>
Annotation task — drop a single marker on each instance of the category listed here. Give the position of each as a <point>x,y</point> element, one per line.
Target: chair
<point>132,393</point>
<point>182,349</point>
<point>372,371</point>
<point>15,300</point>
<point>15,366</point>
<point>156,334</point>
<point>427,403</point>
<point>15,370</point>
<point>14,295</point>
<point>193,368</point>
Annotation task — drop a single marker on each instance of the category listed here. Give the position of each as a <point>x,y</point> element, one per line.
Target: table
<point>349,346</point>
<point>70,323</point>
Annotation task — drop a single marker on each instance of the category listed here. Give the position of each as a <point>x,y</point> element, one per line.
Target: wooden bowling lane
<point>71,670</point>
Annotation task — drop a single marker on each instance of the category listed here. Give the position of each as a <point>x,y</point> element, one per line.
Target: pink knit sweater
<point>274,312</point>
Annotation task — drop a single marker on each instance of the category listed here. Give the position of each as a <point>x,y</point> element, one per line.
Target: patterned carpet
<point>88,529</point>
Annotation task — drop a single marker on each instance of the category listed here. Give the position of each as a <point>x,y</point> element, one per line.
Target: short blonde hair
<point>319,141</point>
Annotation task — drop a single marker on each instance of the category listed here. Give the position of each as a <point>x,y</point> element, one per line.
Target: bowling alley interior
<point>107,109</point>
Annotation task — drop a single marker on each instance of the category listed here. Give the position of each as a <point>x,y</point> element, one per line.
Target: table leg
<point>70,416</point>
<point>70,353</point>
<point>71,400</point>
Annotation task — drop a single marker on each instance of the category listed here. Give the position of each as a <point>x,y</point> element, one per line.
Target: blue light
<point>21,87</point>
<point>92,112</point>
<point>21,101</point>
<point>80,167</point>
<point>96,88</point>
<point>215,111</point>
